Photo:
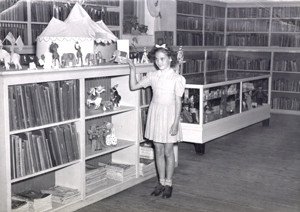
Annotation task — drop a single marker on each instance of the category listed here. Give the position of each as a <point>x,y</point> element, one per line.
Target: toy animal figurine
<point>7,58</point>
<point>115,97</point>
<point>68,59</point>
<point>94,97</point>
<point>55,56</point>
<point>90,59</point>
<point>107,105</point>
<point>78,53</point>
<point>99,58</point>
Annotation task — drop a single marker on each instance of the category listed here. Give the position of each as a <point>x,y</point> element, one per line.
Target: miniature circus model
<point>76,35</point>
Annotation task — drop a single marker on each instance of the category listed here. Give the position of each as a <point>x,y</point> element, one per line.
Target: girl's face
<point>162,60</point>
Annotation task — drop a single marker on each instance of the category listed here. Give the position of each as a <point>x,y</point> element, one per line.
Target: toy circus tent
<point>78,27</point>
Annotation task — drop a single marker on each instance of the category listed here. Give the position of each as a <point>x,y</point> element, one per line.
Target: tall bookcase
<point>29,18</point>
<point>258,39</point>
<point>68,121</point>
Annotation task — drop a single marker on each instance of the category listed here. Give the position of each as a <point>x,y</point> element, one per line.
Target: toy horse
<point>94,97</point>
<point>13,58</point>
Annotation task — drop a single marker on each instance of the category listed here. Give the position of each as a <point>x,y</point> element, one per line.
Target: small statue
<point>180,56</point>
<point>145,58</point>
<point>78,53</point>
<point>55,56</point>
<point>94,97</point>
<point>115,97</point>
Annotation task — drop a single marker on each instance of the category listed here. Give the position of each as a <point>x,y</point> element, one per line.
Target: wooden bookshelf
<point>70,172</point>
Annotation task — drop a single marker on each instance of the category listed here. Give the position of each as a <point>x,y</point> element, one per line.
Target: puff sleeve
<point>180,85</point>
<point>146,81</point>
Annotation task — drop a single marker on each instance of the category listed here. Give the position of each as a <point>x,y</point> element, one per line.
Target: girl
<point>162,126</point>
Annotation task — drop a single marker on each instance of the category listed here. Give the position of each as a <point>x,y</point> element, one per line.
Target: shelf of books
<point>28,19</point>
<point>286,83</point>
<point>214,25</point>
<point>57,150</point>
<point>216,109</point>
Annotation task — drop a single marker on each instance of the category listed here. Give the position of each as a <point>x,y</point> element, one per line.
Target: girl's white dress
<point>161,114</point>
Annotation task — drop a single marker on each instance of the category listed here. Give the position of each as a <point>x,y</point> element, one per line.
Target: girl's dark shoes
<point>158,190</point>
<point>167,193</point>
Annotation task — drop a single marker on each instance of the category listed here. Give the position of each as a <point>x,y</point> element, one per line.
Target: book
<point>19,205</point>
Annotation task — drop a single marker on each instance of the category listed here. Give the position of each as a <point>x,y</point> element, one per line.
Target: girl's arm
<point>174,128</point>
<point>132,78</point>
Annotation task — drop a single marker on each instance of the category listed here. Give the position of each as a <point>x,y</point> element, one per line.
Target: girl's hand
<point>130,63</point>
<point>174,129</point>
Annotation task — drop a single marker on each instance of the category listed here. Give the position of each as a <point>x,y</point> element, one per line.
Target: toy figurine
<point>78,53</point>
<point>248,99</point>
<point>260,96</point>
<point>180,56</point>
<point>94,97</point>
<point>7,58</point>
<point>145,58</point>
<point>55,56</point>
<point>109,134</point>
<point>115,97</point>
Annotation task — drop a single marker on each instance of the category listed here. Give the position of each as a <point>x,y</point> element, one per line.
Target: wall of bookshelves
<point>54,142</point>
<point>29,18</point>
<point>254,37</point>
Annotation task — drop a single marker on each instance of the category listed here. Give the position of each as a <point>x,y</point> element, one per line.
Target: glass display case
<point>213,110</point>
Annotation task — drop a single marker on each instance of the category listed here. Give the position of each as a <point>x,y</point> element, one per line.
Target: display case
<point>213,110</point>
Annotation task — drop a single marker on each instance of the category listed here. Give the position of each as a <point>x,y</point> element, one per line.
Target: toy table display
<point>213,110</point>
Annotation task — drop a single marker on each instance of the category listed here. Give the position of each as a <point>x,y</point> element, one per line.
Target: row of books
<point>13,10</point>
<point>233,74</point>
<point>286,65</point>
<point>285,103</point>
<point>214,25</point>
<point>286,12</point>
<point>189,38</point>
<point>251,12</point>
<point>95,177</point>
<point>189,8</point>
<point>239,62</point>
<point>283,84</point>
<point>214,11</point>
<point>62,195</point>
<point>251,39</point>
<point>190,23</point>
<point>35,151</point>
<point>16,29</point>
<point>193,65</point>
<point>39,104</point>
<point>285,40</point>
<point>252,25</point>
<point>146,96</point>
<point>215,64</point>
<point>286,25</point>
<point>31,200</point>
<point>213,39</point>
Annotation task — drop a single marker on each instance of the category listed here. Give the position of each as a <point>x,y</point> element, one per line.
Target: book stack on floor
<point>36,201</point>
<point>19,205</point>
<point>62,195</point>
<point>120,172</point>
<point>147,165</point>
<point>95,177</point>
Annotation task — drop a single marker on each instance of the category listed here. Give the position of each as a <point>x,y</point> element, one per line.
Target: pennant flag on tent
<point>19,43</point>
<point>10,37</point>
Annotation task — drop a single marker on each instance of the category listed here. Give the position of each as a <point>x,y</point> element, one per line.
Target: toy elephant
<point>67,59</point>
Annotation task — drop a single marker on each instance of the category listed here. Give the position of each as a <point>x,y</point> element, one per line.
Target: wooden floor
<point>254,169</point>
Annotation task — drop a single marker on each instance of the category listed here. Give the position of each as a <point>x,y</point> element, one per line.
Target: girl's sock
<point>162,182</point>
<point>168,182</point>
